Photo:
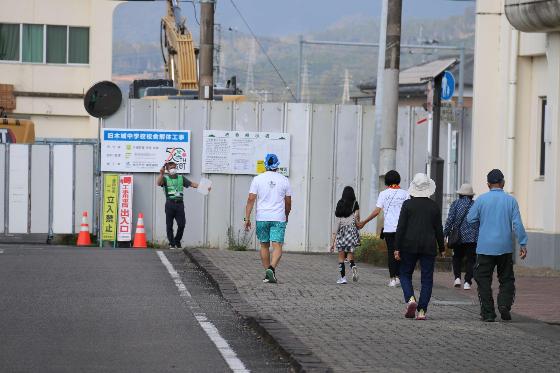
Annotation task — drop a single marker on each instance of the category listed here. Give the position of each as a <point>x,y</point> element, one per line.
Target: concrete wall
<point>55,117</point>
<point>538,75</point>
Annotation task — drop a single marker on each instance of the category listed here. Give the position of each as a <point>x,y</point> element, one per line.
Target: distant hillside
<point>326,64</point>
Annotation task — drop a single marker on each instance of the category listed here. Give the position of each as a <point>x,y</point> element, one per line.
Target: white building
<point>52,52</point>
<point>516,113</point>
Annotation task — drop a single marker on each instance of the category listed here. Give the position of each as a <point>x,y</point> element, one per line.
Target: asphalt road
<point>66,309</point>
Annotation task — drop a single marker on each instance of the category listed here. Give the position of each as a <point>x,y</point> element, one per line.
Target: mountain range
<point>136,49</point>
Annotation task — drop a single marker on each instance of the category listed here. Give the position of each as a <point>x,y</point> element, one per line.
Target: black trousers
<point>483,272</point>
<point>394,265</point>
<point>463,250</point>
<point>175,211</point>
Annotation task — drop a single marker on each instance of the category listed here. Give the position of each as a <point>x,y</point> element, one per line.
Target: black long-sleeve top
<point>420,229</point>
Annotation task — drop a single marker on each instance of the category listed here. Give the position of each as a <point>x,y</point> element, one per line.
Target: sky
<point>287,17</point>
<point>277,18</point>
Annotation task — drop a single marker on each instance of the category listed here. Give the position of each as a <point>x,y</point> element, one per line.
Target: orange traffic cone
<point>140,235</point>
<point>84,238</point>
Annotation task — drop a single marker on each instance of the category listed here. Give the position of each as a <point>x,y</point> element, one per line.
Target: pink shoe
<point>411,308</point>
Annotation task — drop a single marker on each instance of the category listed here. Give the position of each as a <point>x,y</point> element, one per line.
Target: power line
<point>262,49</point>
<point>194,9</point>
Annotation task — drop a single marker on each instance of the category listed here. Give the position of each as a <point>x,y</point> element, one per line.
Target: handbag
<point>455,235</point>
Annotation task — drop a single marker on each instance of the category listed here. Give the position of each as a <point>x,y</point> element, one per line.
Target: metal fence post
<point>7,189</point>
<point>51,184</point>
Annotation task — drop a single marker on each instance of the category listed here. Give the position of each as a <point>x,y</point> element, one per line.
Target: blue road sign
<point>447,86</point>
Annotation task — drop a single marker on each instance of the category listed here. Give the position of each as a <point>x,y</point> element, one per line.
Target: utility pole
<point>346,89</point>
<point>218,55</point>
<point>379,91</point>
<point>300,69</point>
<point>388,146</point>
<point>305,94</point>
<point>250,80</point>
<point>206,80</point>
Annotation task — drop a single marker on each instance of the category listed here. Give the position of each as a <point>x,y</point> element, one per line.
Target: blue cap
<point>271,162</point>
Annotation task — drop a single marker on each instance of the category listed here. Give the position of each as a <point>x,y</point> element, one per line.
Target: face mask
<point>172,171</point>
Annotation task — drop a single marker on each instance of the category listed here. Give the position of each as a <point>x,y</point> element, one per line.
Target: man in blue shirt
<point>498,215</point>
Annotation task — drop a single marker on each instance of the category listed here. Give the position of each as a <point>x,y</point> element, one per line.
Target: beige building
<point>52,52</point>
<point>516,113</point>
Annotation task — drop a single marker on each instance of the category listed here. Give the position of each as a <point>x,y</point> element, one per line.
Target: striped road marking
<point>223,346</point>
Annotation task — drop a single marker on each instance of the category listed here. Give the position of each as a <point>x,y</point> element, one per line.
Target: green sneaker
<point>269,275</point>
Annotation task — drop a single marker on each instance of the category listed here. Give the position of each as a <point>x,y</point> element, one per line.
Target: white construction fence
<point>331,147</point>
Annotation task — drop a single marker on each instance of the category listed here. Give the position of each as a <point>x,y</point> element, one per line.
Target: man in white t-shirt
<point>273,195</point>
<point>390,202</point>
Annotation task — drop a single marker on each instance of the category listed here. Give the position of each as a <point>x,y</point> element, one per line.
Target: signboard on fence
<point>124,231</point>
<point>243,153</point>
<point>110,204</point>
<point>138,150</point>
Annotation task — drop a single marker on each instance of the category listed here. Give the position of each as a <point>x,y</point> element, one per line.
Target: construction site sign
<point>110,206</point>
<point>124,231</point>
<point>243,153</point>
<point>138,150</point>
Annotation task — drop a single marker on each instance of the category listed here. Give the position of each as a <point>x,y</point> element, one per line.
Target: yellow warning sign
<point>110,205</point>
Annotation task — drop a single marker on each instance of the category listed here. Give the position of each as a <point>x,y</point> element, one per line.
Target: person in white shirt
<point>390,202</point>
<point>273,195</point>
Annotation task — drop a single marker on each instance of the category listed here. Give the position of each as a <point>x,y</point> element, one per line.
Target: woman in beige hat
<point>419,236</point>
<point>462,236</point>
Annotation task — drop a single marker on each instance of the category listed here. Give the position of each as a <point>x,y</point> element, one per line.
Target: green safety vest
<point>173,187</point>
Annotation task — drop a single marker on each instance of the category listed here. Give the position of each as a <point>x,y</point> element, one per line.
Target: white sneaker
<point>467,286</point>
<point>355,276</point>
<point>392,283</point>
<point>342,280</point>
<point>457,283</point>
<point>397,282</point>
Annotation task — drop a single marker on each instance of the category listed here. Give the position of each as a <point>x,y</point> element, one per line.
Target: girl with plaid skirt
<point>345,236</point>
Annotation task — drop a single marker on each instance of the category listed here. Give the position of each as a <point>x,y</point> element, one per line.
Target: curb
<point>299,355</point>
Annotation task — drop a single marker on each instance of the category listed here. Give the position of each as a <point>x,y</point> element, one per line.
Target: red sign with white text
<point>124,232</point>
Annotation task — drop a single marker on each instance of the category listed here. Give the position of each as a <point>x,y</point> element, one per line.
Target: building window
<point>9,42</point>
<point>543,133</point>
<point>78,45</point>
<point>32,43</point>
<point>56,44</point>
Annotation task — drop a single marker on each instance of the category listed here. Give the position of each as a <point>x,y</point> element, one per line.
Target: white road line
<point>227,352</point>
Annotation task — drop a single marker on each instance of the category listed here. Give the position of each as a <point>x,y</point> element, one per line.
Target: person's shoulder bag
<point>454,238</point>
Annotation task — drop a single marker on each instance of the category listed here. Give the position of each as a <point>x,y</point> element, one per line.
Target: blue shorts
<point>268,231</point>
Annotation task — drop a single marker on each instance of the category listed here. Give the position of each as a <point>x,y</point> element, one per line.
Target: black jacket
<point>420,229</point>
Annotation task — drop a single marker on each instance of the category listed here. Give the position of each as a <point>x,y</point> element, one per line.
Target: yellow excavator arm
<point>178,49</point>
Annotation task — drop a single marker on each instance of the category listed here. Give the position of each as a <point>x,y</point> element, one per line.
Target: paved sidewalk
<point>360,327</point>
<point>536,297</point>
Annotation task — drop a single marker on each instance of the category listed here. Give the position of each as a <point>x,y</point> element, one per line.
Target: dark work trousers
<point>394,265</point>
<point>483,272</point>
<point>408,263</point>
<point>174,210</point>
<point>468,251</point>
